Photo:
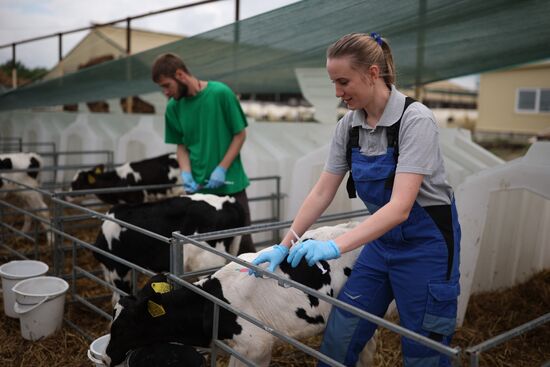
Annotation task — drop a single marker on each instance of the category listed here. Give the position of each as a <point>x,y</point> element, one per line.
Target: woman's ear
<point>374,72</point>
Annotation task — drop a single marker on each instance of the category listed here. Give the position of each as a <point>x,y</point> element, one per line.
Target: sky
<point>23,19</point>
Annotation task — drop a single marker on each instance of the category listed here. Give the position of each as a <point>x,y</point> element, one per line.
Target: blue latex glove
<point>274,257</point>
<point>314,251</point>
<point>217,178</point>
<point>189,184</point>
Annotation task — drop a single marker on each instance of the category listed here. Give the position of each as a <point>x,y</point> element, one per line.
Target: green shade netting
<point>431,40</point>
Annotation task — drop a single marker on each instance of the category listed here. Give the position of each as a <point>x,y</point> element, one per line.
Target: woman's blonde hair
<point>365,50</point>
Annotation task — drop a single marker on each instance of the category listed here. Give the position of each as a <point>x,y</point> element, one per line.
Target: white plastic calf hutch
<point>504,212</point>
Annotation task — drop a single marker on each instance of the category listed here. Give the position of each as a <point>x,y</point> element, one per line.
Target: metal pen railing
<point>78,272</point>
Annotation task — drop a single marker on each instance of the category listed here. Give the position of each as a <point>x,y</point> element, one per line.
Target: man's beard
<point>183,90</point>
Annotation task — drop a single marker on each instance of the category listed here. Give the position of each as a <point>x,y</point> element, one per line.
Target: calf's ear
<point>157,284</point>
<point>91,179</point>
<point>6,164</point>
<point>99,169</point>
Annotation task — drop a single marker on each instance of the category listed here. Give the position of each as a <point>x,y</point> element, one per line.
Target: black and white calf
<point>32,199</point>
<point>186,317</point>
<point>197,213</point>
<point>154,171</point>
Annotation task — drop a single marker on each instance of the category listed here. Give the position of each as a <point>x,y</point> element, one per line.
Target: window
<point>533,100</point>
<point>544,104</point>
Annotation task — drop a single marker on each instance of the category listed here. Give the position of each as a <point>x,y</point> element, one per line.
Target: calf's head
<point>87,179</point>
<point>156,315</point>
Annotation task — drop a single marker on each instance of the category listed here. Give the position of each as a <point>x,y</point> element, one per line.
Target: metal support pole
<point>55,163</point>
<point>128,36</point>
<point>60,43</point>
<point>237,10</point>
<point>215,322</point>
<point>277,233</point>
<point>129,99</point>
<point>176,256</point>
<point>2,228</point>
<point>474,359</point>
<point>73,271</point>
<point>420,45</point>
<point>13,67</point>
<point>58,239</point>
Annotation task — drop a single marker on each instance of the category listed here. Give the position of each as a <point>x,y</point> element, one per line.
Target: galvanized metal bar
<point>176,258</point>
<point>105,253</point>
<point>57,223</point>
<point>74,270</point>
<point>43,192</point>
<point>114,189</point>
<point>215,325</point>
<point>93,307</point>
<point>13,229</point>
<point>276,233</point>
<point>35,240</point>
<point>501,338</point>
<point>60,46</point>
<point>474,358</point>
<point>107,24</point>
<point>115,220</point>
<point>83,272</point>
<point>14,252</point>
<point>214,235</point>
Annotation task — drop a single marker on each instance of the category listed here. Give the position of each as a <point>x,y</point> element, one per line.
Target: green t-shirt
<point>205,124</point>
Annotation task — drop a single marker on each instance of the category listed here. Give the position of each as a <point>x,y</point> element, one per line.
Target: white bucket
<point>39,302</point>
<point>14,272</point>
<point>96,352</point>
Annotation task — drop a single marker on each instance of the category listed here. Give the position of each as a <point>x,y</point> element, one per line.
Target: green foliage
<point>23,72</point>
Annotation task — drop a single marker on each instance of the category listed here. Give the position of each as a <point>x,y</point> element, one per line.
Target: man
<point>205,120</point>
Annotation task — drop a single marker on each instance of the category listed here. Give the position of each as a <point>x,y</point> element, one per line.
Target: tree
<point>24,74</point>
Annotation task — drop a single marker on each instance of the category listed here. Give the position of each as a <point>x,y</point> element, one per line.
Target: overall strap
<point>392,132</point>
<point>353,142</point>
<point>392,135</point>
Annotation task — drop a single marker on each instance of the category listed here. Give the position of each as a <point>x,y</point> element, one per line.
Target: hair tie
<point>377,38</point>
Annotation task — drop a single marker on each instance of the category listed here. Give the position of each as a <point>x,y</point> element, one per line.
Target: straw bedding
<point>489,314</point>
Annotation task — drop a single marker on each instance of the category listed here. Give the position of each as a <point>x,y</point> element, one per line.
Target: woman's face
<point>353,86</point>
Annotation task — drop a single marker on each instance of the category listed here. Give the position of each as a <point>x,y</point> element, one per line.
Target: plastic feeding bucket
<point>162,353</point>
<point>40,302</point>
<point>14,272</point>
<point>96,352</point>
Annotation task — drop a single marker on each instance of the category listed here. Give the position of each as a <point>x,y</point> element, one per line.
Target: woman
<point>412,239</point>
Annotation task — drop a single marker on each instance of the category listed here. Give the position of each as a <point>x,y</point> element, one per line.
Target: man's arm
<point>233,150</point>
<point>182,156</point>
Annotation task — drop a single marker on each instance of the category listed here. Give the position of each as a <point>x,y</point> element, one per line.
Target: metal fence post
<point>277,233</point>
<point>176,256</point>
<point>58,239</point>
<point>215,322</point>
<point>2,228</point>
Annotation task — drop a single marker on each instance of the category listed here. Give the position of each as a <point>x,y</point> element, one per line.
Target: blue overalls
<point>415,263</point>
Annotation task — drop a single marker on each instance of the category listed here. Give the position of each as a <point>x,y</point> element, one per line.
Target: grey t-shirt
<point>418,145</point>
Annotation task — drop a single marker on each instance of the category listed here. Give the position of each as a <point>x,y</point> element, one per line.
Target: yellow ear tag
<point>155,309</point>
<point>98,171</point>
<point>91,179</point>
<point>161,287</point>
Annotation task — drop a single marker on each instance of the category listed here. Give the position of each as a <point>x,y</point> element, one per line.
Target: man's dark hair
<point>166,65</point>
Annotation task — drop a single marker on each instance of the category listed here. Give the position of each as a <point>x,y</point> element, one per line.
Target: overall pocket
<point>441,307</point>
